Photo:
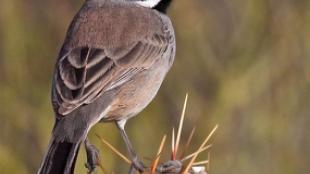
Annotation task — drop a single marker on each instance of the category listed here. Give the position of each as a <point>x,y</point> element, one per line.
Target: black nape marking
<point>162,6</point>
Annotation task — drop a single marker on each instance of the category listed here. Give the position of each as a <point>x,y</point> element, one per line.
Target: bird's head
<point>160,5</point>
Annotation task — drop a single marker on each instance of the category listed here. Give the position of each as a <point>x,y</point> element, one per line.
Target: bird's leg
<point>93,156</point>
<point>136,163</point>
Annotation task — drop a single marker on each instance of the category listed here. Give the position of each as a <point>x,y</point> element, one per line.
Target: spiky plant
<point>178,163</point>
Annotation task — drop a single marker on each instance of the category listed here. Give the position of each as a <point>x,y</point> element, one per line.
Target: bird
<point>113,60</point>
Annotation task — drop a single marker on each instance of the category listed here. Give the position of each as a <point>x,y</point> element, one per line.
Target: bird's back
<point>113,24</point>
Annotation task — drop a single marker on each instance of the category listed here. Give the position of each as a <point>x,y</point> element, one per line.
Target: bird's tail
<point>60,158</point>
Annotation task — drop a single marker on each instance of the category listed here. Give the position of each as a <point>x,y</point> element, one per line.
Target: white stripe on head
<point>148,3</point>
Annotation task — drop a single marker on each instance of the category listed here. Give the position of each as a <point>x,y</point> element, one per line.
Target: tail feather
<point>60,158</point>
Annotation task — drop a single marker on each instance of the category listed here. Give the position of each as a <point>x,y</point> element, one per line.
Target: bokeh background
<point>244,63</point>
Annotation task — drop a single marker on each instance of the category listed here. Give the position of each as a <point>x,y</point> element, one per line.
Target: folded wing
<point>85,73</point>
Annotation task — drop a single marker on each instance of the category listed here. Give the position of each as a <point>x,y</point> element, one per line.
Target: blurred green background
<point>244,63</point>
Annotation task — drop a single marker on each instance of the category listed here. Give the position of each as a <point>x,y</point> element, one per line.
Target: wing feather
<point>85,73</point>
<point>97,71</point>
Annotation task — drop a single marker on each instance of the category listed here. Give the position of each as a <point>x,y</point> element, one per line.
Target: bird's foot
<point>93,157</point>
<point>137,165</point>
<point>170,167</point>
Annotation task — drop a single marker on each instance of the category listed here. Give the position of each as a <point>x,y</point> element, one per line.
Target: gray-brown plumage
<point>111,65</point>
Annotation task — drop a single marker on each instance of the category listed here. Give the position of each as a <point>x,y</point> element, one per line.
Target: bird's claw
<point>137,165</point>
<point>90,168</point>
<point>93,157</point>
<point>170,167</point>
